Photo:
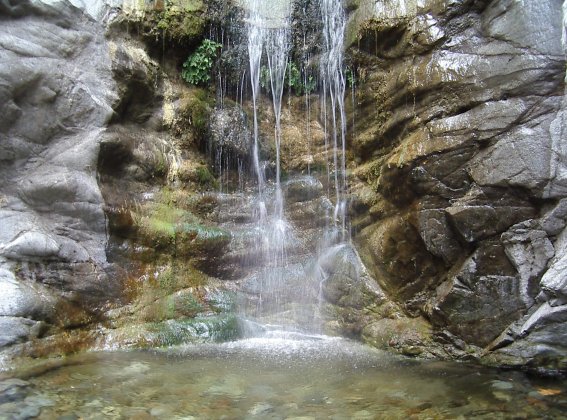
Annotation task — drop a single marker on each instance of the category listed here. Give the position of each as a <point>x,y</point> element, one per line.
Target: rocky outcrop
<point>92,127</point>
<point>57,96</point>
<point>460,135</point>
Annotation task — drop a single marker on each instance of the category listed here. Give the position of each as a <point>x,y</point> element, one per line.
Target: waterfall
<point>269,33</point>
<point>287,290</point>
<point>255,41</point>
<point>333,105</point>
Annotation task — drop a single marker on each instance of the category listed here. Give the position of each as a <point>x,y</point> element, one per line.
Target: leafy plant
<point>265,78</point>
<point>350,76</point>
<point>197,67</point>
<point>205,178</point>
<point>310,85</point>
<point>293,78</point>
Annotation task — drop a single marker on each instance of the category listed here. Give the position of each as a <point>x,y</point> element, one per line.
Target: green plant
<point>167,280</point>
<point>197,67</point>
<point>265,78</point>
<point>205,178</point>
<point>310,85</point>
<point>293,77</point>
<point>350,76</point>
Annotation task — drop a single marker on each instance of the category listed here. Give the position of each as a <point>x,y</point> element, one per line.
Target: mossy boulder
<point>180,21</point>
<point>217,328</point>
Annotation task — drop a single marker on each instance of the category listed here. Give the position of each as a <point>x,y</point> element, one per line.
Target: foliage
<point>350,76</point>
<point>205,178</point>
<point>294,80</point>
<point>293,77</point>
<point>265,78</point>
<point>197,67</point>
<point>310,85</point>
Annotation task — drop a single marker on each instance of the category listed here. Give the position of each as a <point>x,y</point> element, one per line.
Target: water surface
<point>279,377</point>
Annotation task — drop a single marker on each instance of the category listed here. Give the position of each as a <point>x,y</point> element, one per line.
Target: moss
<point>196,106</point>
<point>166,280</point>
<point>222,301</point>
<point>202,329</point>
<point>180,21</point>
<point>202,240</point>
<point>205,177</point>
<point>176,305</point>
<point>204,205</point>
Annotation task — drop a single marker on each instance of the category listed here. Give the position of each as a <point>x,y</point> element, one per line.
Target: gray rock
<point>229,133</point>
<point>522,24</point>
<point>97,9</point>
<point>519,158</point>
<point>482,298</point>
<point>13,390</point>
<point>528,248</point>
<point>554,220</point>
<point>15,330</point>
<point>30,245</point>
<point>484,213</point>
<point>466,312</point>
<point>58,94</point>
<point>554,281</point>
<point>18,299</point>
<point>438,236</point>
<point>538,339</point>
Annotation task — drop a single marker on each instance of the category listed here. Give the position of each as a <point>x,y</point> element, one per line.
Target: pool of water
<point>277,377</point>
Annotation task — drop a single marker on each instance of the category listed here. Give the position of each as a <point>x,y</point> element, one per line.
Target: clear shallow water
<point>279,378</point>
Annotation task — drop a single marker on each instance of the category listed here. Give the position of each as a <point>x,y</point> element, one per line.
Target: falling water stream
<point>269,37</point>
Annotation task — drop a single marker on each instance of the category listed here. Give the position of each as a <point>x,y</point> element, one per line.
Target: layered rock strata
<point>459,146</point>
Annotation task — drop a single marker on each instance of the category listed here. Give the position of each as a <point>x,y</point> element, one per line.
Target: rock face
<point>83,106</point>
<point>461,136</point>
<point>57,96</point>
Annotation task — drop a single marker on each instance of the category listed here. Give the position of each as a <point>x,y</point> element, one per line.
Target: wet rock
<point>502,385</point>
<point>409,336</point>
<point>13,390</point>
<point>346,283</point>
<point>397,256</point>
<point>302,189</point>
<point>483,298</point>
<point>438,236</point>
<point>460,125</point>
<point>520,25</point>
<point>518,158</point>
<point>483,213</point>
<point>260,409</point>
<point>528,248</point>
<point>229,133</point>
<point>15,330</point>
